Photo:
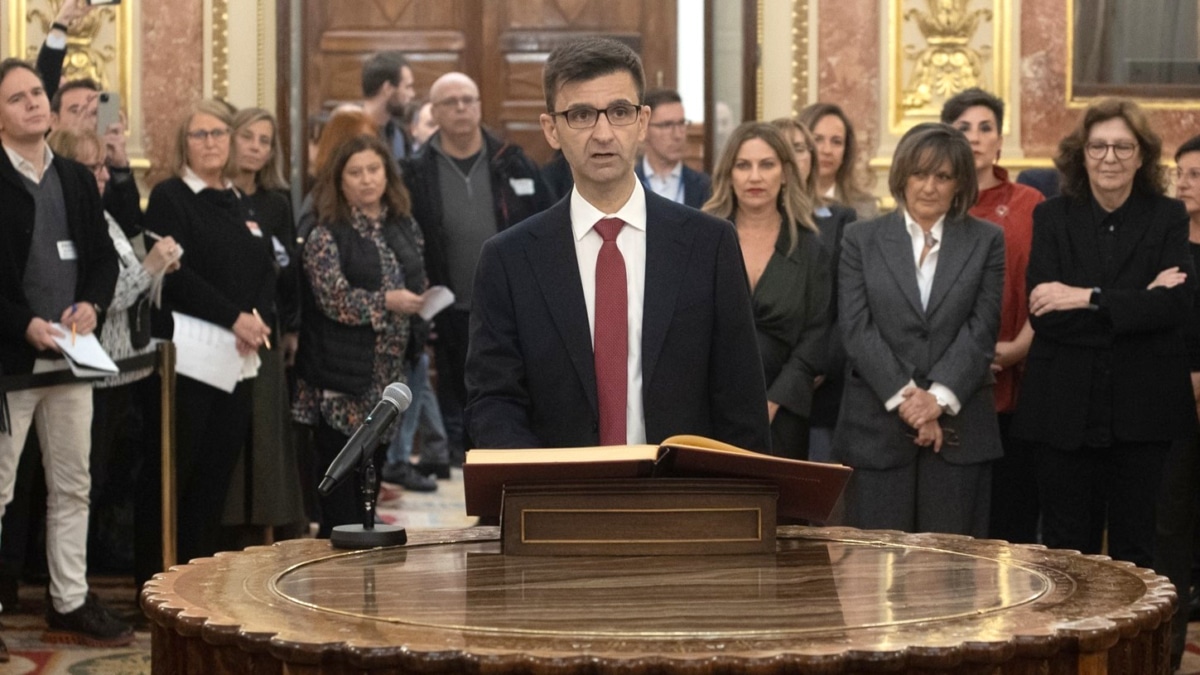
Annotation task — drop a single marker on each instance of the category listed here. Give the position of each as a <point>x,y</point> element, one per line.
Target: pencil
<point>73,325</point>
<point>266,340</point>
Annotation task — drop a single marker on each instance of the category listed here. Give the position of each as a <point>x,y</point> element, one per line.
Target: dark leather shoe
<point>414,481</point>
<point>442,471</point>
<point>3,651</point>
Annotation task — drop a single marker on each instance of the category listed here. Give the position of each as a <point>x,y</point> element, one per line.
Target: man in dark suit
<point>657,288</point>
<point>661,168</point>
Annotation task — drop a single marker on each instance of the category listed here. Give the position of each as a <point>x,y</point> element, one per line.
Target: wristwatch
<point>942,403</point>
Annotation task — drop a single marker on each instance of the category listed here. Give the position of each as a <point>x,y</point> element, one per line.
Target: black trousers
<point>211,428</point>
<point>1083,489</point>
<point>450,356</point>
<point>344,505</point>
<point>1015,511</point>
<point>1174,546</point>
<point>126,513</point>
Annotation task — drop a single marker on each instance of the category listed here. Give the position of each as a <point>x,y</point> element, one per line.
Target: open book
<point>806,489</point>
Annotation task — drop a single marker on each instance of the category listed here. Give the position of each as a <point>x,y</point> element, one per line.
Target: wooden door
<point>501,44</point>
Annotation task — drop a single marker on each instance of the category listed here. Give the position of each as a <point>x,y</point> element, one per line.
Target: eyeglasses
<point>456,101</point>
<point>585,117</point>
<point>202,135</point>
<point>1097,150</point>
<point>677,125</point>
<point>1191,175</point>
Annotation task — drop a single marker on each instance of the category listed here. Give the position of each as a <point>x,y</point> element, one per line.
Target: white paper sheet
<point>208,353</point>
<point>86,357</point>
<point>437,298</point>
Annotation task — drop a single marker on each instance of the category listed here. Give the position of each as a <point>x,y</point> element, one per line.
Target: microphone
<point>396,399</point>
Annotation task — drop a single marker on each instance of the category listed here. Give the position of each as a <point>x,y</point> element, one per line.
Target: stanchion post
<point>166,369</point>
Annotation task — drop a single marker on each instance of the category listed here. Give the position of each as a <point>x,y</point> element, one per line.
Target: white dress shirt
<point>26,167</point>
<point>669,185</point>
<point>925,272</point>
<point>632,243</point>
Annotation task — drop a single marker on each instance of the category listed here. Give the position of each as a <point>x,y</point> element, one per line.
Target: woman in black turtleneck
<point>227,278</point>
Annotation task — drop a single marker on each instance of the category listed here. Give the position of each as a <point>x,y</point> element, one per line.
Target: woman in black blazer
<point>757,185</point>
<point>1107,386</point>
<point>831,219</point>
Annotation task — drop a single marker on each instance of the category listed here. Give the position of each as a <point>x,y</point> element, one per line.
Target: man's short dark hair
<point>587,59</point>
<point>380,68</point>
<point>10,64</point>
<point>82,83</point>
<point>969,98</point>
<point>657,97</point>
<point>1190,145</point>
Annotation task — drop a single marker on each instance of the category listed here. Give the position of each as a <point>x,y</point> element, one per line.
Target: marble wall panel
<point>847,65</point>
<point>172,72</point>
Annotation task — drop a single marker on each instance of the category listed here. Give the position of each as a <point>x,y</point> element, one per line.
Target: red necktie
<point>611,341</point>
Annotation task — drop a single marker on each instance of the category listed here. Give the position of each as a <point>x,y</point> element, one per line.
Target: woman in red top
<point>980,116</point>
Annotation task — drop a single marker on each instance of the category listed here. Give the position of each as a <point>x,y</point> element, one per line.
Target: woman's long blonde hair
<point>793,204</point>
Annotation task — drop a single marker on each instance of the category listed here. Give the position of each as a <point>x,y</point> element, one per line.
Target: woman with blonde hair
<point>266,491</point>
<point>227,278</point>
<point>758,186</point>
<point>125,419</point>
<point>831,219</point>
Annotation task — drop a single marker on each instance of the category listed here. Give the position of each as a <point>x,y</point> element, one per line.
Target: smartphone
<point>103,2</point>
<point>108,110</point>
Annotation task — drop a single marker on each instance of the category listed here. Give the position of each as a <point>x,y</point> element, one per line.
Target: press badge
<point>522,186</point>
<point>66,250</point>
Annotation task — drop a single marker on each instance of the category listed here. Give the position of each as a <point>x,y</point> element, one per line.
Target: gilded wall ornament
<point>84,58</point>
<point>947,64</point>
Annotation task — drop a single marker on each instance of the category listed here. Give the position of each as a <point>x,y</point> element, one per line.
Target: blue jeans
<point>424,415</point>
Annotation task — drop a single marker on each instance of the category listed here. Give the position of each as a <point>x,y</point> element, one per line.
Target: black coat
<point>1142,329</point>
<point>97,261</point>
<point>505,163</point>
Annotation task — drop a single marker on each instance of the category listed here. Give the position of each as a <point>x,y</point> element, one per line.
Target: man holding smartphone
<point>74,105</point>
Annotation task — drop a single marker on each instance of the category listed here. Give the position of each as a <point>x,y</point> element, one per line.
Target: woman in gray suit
<point>919,310</point>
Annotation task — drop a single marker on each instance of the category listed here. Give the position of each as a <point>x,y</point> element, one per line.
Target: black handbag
<point>139,323</point>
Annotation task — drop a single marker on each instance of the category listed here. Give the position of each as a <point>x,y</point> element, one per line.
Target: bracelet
<point>61,26</point>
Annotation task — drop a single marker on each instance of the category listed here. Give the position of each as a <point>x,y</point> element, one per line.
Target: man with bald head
<point>466,185</point>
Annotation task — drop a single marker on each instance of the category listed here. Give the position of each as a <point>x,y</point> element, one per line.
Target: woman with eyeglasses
<point>831,219</point>
<point>1106,387</point>
<point>227,278</point>
<point>125,407</point>
<point>758,186</point>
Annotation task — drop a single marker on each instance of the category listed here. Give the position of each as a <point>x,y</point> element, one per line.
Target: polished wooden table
<point>831,600</point>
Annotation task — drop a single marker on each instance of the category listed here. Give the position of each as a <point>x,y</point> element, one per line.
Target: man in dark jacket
<point>57,266</point>
<point>466,186</point>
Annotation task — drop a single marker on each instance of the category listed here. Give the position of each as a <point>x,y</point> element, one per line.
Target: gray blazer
<point>890,339</point>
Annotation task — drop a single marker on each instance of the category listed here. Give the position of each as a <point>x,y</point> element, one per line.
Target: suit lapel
<point>955,250</point>
<point>898,255</point>
<point>667,247</point>
<point>555,266</point>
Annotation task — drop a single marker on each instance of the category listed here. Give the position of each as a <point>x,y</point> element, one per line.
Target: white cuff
<point>895,401</point>
<point>943,393</point>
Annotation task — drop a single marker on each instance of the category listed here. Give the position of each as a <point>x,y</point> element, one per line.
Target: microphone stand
<point>367,535</point>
